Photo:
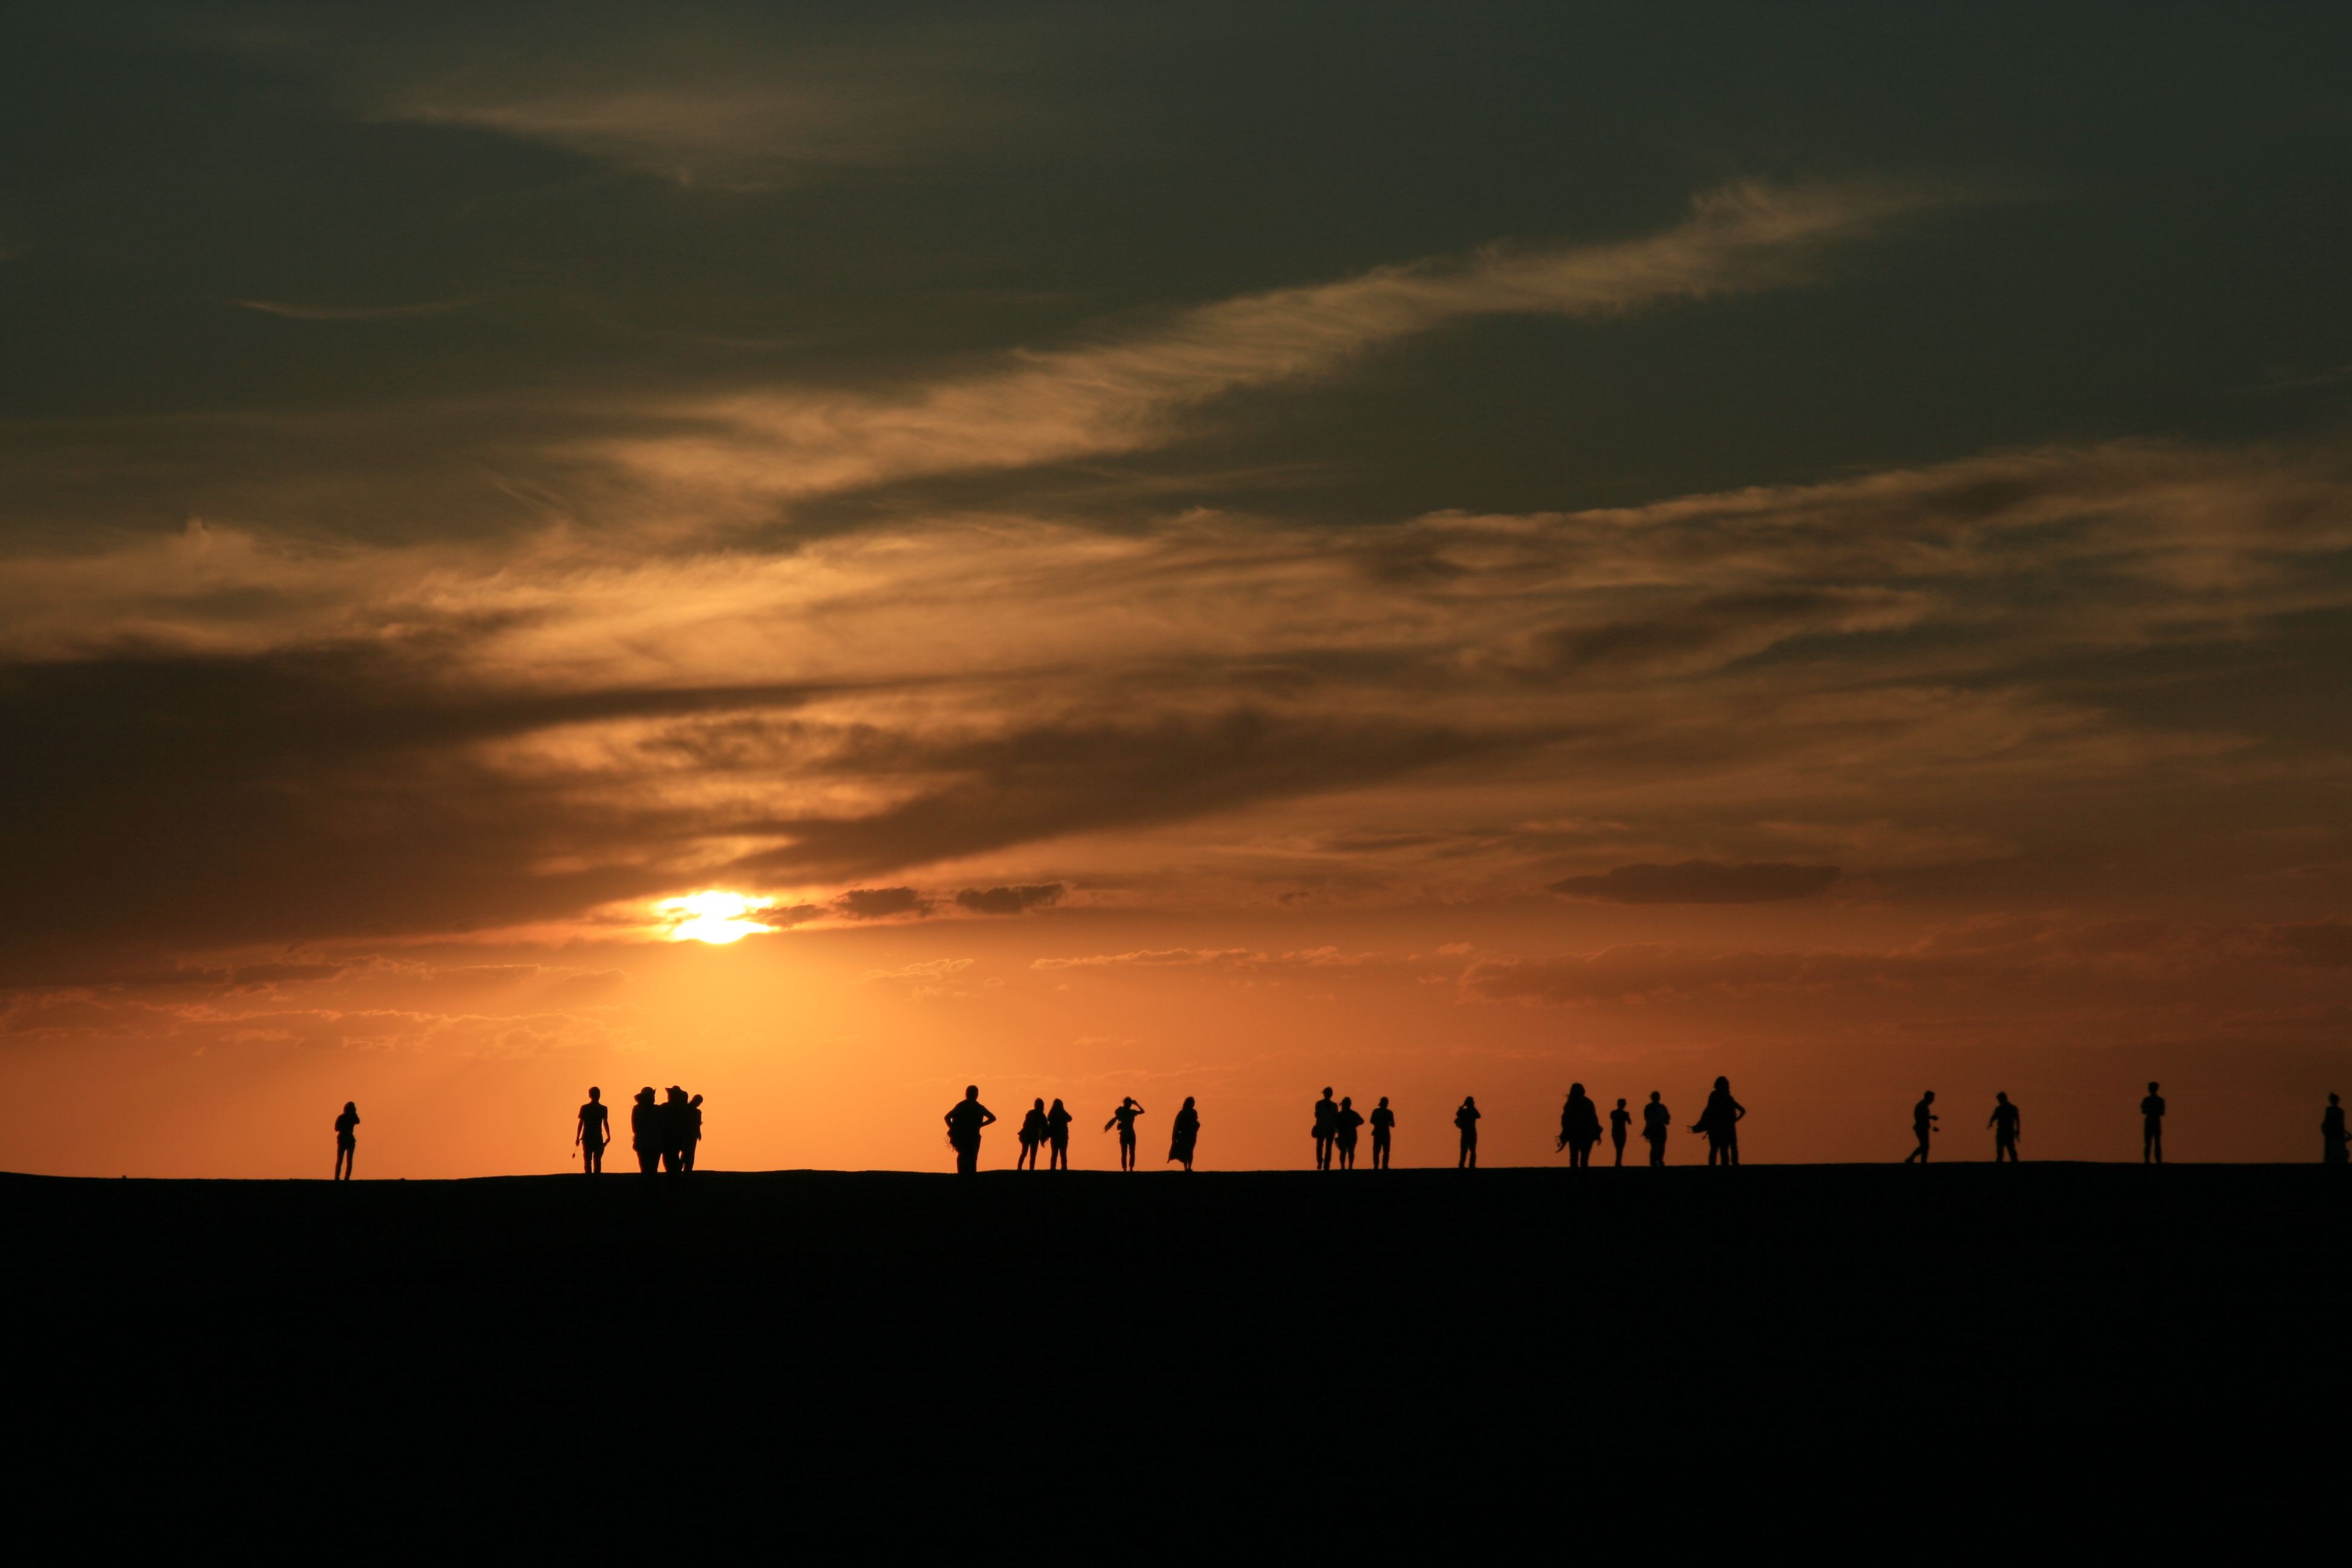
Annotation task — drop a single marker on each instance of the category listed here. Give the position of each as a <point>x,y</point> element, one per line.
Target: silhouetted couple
<point>1720,1122</point>
<point>1124,1120</point>
<point>1050,1128</point>
<point>664,1135</point>
<point>1580,1129</point>
<point>964,1120</point>
<point>347,1143</point>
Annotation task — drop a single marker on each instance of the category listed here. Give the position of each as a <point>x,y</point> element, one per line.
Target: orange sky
<point>1142,563</point>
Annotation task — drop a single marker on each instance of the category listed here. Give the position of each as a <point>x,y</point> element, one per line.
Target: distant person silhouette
<point>1033,1132</point>
<point>693,1119</point>
<point>675,1130</point>
<point>347,1143</point>
<point>1657,1122</point>
<point>2006,1124</point>
<point>1466,1118</point>
<point>964,1120</point>
<point>1124,1120</point>
<point>2331,1132</point>
<point>1058,1137</point>
<point>1619,1121</point>
<point>1343,1131</point>
<point>1720,1122</point>
<point>1923,1127</point>
<point>1579,1128</point>
<point>595,1131</point>
<point>645,1132</point>
<point>1327,1128</point>
<point>1383,1131</point>
<point>2151,1128</point>
<point>1184,1134</point>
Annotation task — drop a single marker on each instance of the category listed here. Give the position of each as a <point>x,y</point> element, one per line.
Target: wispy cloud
<point>312,312</point>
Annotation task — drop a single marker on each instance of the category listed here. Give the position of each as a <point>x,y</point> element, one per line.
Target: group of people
<point>1050,1130</point>
<point>1339,1125</point>
<point>663,1133</point>
<point>1579,1127</point>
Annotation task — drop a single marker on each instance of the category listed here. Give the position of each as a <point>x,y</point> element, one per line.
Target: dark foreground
<point>928,1362</point>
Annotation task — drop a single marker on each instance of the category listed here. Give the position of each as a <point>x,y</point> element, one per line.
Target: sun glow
<point>716,918</point>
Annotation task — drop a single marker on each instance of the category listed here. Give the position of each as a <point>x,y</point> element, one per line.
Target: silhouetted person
<point>2151,1128</point>
<point>964,1120</point>
<point>1327,1128</point>
<point>595,1132</point>
<point>2331,1132</point>
<point>1124,1120</point>
<point>1720,1122</point>
<point>1579,1128</point>
<point>1619,1121</point>
<point>645,1132</point>
<point>2006,1125</point>
<point>675,1130</point>
<point>1657,1122</point>
<point>693,1134</point>
<point>1184,1134</point>
<point>1923,1127</point>
<point>1383,1132</point>
<point>1058,1137</point>
<point>347,1142</point>
<point>1343,1131</point>
<point>1033,1132</point>
<point>1466,1118</point>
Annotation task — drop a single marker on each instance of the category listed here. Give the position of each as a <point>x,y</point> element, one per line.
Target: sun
<point>716,918</point>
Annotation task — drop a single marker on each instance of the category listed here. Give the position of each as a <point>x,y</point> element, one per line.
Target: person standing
<point>2151,1128</point>
<point>1720,1122</point>
<point>594,1132</point>
<point>1466,1118</point>
<point>2331,1132</point>
<point>964,1120</point>
<point>1619,1121</point>
<point>1327,1128</point>
<point>1033,1132</point>
<point>645,1132</point>
<point>1058,1137</point>
<point>347,1143</point>
<point>1184,1134</point>
<point>1343,1131</point>
<point>673,1121</point>
<point>693,1133</point>
<point>1383,1127</point>
<point>2006,1125</point>
<point>1923,1127</point>
<point>1579,1128</point>
<point>1657,1122</point>
<point>1124,1120</point>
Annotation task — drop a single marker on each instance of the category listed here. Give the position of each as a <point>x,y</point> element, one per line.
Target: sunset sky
<point>1205,550</point>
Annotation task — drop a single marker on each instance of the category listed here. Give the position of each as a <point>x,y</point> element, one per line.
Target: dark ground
<point>1607,1357</point>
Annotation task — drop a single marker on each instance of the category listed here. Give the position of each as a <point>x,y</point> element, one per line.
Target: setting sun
<point>716,918</point>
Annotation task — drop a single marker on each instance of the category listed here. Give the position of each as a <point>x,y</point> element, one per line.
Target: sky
<point>1195,552</point>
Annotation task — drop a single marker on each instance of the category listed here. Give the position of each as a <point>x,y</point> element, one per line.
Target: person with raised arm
<point>1124,1120</point>
<point>1466,1119</point>
<point>965,1118</point>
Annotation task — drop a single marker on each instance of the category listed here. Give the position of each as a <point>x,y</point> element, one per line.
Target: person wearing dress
<point>1184,1134</point>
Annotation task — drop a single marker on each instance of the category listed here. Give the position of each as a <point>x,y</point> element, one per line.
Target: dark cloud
<point>1716,630</point>
<point>2325,944</point>
<point>271,973</point>
<point>1009,901</point>
<point>1701,882</point>
<point>782,916</point>
<point>880,903</point>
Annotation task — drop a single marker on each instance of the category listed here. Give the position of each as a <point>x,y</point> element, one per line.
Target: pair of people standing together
<point>1051,1131</point>
<point>1339,1124</point>
<point>664,1135</point>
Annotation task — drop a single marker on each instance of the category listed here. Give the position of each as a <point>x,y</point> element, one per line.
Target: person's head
<point>1326,1091</point>
<point>1188,1101</point>
<point>1620,1105</point>
<point>971,1091</point>
<point>1125,1101</point>
<point>1347,1103</point>
<point>2331,1100</point>
<point>1039,1103</point>
<point>2151,1088</point>
<point>1576,1091</point>
<point>1929,1095</point>
<point>1723,1083</point>
<point>2002,1096</point>
<point>1469,1099</point>
<point>675,1094</point>
<point>350,1108</point>
<point>594,1093</point>
<point>1384,1102</point>
<point>1057,1105</point>
<point>1654,1097</point>
<point>646,1095</point>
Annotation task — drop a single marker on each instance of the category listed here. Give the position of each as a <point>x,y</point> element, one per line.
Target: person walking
<point>1124,1120</point>
<point>1923,1127</point>
<point>1058,1137</point>
<point>1184,1134</point>
<point>645,1132</point>
<point>1033,1132</point>
<point>2151,1128</point>
<point>1657,1122</point>
<point>2006,1125</point>
<point>347,1142</point>
<point>595,1131</point>
<point>1383,1130</point>
<point>1466,1118</point>
<point>1619,1121</point>
<point>965,1118</point>
<point>1579,1128</point>
<point>1343,1132</point>
<point>1327,1128</point>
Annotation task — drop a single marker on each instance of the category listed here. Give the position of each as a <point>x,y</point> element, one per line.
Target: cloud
<point>881,903</point>
<point>1700,882</point>
<point>1150,958</point>
<point>352,312</point>
<point>928,969</point>
<point>1010,900</point>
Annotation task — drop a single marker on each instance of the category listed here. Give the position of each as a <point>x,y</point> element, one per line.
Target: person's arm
<point>1739,1112</point>
<point>987,1116</point>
